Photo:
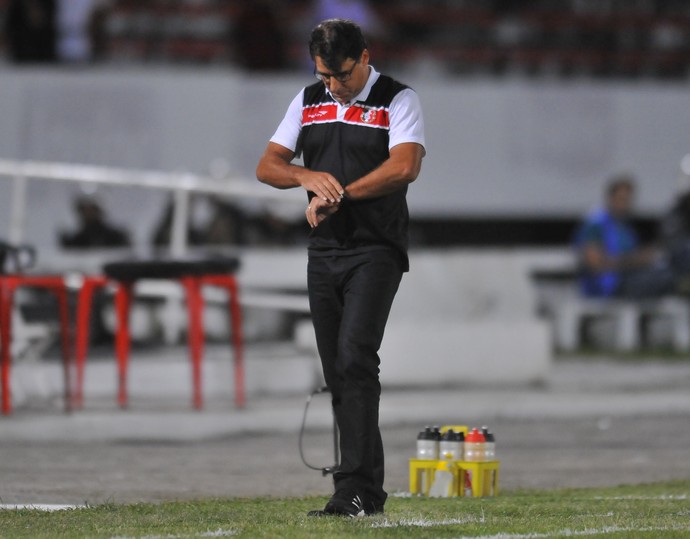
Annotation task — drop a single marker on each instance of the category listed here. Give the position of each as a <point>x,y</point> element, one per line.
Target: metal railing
<point>181,184</point>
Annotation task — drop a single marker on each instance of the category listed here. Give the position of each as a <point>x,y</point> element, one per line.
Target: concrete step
<point>164,372</point>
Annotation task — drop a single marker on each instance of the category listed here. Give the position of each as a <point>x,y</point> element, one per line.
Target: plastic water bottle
<point>428,444</point>
<point>490,444</point>
<point>427,449</point>
<point>451,445</point>
<point>490,455</point>
<point>475,451</point>
<point>475,446</point>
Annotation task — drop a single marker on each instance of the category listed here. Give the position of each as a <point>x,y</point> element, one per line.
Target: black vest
<point>348,150</point>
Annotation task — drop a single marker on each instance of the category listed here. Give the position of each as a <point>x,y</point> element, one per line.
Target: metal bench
<point>630,320</point>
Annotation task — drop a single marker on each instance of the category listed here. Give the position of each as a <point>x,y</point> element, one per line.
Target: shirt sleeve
<point>289,129</point>
<point>406,119</point>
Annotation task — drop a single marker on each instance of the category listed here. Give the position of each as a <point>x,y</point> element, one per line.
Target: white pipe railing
<point>181,184</point>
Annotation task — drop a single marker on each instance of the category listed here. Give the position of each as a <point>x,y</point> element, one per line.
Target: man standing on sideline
<point>361,135</point>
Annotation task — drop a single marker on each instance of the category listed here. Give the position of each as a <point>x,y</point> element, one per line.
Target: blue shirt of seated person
<point>615,237</point>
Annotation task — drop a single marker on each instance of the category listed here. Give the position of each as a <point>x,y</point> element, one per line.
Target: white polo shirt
<point>405,113</point>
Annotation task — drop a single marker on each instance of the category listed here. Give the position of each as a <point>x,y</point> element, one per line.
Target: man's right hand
<point>322,184</point>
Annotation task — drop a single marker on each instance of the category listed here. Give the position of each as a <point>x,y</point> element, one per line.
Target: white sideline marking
<point>39,506</point>
<point>576,533</point>
<point>426,523</point>
<point>659,497</point>
<point>218,533</point>
<point>421,523</point>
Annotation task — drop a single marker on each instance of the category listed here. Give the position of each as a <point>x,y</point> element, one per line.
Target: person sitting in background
<point>94,231</point>
<point>675,233</point>
<point>611,261</point>
<point>210,221</point>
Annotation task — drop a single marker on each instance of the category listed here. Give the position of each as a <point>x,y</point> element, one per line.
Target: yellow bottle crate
<point>482,476</point>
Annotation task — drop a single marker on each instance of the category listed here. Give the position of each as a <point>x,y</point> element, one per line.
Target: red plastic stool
<point>192,275</point>
<point>8,285</point>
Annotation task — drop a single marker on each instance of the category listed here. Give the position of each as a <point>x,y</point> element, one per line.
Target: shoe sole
<point>322,513</point>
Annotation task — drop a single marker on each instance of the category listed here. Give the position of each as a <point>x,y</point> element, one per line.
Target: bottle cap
<point>426,434</point>
<point>451,436</point>
<point>475,437</point>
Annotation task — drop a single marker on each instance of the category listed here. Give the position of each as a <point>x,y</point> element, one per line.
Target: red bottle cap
<point>475,437</point>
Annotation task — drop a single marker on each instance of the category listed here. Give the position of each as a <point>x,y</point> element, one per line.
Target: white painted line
<point>39,506</point>
<point>659,497</point>
<point>421,522</point>
<point>577,533</point>
<point>218,533</point>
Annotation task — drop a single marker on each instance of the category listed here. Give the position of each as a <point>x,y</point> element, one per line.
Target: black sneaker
<point>346,503</point>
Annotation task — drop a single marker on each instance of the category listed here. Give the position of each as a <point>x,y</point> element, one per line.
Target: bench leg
<point>66,335</point>
<point>627,328</point>
<point>237,341</point>
<point>123,299</point>
<point>83,319</point>
<point>567,328</point>
<point>229,283</point>
<point>5,340</point>
<point>680,321</point>
<point>195,308</point>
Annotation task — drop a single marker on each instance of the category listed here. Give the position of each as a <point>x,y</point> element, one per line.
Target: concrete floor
<point>595,423</point>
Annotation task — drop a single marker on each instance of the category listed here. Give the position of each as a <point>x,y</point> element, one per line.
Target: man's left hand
<point>319,209</point>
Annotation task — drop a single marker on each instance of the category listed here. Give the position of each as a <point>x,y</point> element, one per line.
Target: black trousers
<point>350,299</point>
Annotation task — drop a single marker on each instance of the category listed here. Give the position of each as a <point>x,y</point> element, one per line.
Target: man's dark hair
<point>336,40</point>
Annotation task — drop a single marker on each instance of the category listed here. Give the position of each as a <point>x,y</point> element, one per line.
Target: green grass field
<point>644,511</point>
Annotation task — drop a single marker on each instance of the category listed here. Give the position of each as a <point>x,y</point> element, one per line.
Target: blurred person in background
<point>611,261</point>
<point>94,231</point>
<point>227,224</point>
<point>80,30</point>
<point>259,38</point>
<point>675,228</point>
<point>361,135</point>
<point>30,30</point>
<point>211,220</point>
<point>358,11</point>
<point>675,231</point>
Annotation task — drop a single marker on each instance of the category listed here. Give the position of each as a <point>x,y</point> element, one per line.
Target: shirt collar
<point>364,94</point>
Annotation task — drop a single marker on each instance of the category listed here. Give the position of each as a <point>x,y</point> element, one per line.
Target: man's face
<point>621,201</point>
<point>348,80</point>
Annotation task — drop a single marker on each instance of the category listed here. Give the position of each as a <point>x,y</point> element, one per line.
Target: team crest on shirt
<point>368,116</point>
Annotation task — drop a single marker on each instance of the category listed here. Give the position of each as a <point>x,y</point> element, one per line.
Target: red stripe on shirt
<point>323,112</point>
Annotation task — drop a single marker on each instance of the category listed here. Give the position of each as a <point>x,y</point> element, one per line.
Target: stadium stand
<point>563,38</point>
